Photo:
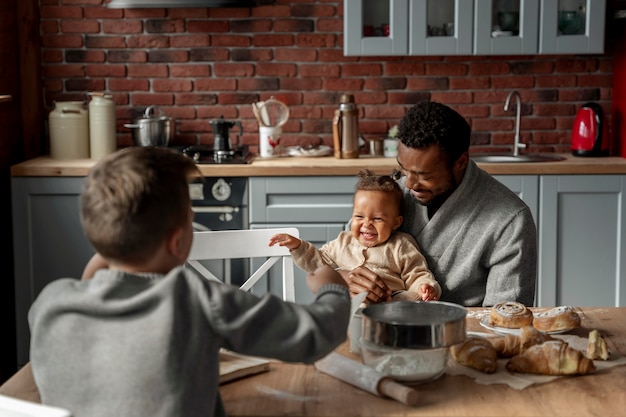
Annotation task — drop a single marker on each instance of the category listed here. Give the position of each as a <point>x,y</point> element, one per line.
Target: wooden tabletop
<point>329,165</point>
<point>301,390</point>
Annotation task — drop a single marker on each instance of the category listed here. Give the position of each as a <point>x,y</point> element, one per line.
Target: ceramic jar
<point>102,125</point>
<point>68,124</point>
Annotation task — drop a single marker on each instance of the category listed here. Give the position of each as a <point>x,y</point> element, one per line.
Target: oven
<point>222,204</point>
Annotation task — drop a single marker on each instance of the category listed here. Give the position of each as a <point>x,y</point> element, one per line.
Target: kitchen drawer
<point>301,199</point>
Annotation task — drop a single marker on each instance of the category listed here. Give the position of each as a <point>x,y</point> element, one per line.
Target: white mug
<point>269,140</point>
<point>390,147</point>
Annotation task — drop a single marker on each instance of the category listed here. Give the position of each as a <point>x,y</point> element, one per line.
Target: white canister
<point>69,130</point>
<point>390,147</point>
<point>102,125</point>
<point>269,140</point>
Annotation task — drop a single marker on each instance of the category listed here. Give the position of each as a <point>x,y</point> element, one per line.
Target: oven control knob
<point>221,190</point>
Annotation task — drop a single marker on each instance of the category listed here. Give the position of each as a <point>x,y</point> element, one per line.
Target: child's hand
<point>322,276</point>
<point>427,292</point>
<point>283,239</point>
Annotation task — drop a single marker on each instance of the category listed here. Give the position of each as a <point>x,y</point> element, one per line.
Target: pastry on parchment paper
<point>512,345</point>
<point>510,314</point>
<point>553,357</point>
<point>596,347</point>
<point>476,352</point>
<point>557,319</point>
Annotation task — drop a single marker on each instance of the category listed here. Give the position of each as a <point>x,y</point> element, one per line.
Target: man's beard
<point>439,199</point>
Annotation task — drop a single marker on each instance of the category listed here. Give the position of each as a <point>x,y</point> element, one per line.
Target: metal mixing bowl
<point>409,341</point>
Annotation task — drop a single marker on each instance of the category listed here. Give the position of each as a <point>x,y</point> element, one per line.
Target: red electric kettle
<point>590,133</point>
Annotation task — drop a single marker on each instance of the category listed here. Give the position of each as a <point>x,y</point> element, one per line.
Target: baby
<point>372,242</point>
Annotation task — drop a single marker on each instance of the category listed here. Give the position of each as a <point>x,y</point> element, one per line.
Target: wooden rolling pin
<point>366,378</point>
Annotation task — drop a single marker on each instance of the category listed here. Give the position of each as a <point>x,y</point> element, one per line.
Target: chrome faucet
<point>518,102</point>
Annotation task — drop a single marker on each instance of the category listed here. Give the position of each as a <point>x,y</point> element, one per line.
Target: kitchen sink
<point>509,158</point>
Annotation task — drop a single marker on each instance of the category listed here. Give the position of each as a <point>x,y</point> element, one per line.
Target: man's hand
<point>362,279</point>
<point>322,276</point>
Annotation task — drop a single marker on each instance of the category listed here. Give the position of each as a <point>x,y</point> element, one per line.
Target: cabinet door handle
<point>5,97</point>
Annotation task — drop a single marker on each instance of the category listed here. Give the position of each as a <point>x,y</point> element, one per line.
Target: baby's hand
<point>283,239</point>
<point>427,292</point>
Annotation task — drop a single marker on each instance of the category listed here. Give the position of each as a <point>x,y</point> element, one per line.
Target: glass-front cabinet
<point>473,27</point>
<point>572,26</point>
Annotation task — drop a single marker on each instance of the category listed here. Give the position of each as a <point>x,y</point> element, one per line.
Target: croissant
<point>553,357</point>
<point>477,353</point>
<point>596,347</point>
<point>511,345</point>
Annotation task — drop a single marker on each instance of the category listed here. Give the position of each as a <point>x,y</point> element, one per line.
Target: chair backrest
<point>240,244</point>
<point>14,407</point>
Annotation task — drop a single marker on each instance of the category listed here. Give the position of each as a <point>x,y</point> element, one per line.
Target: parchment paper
<point>521,381</point>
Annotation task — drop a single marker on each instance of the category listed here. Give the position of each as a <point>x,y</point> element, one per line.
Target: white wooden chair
<point>14,407</point>
<point>240,244</point>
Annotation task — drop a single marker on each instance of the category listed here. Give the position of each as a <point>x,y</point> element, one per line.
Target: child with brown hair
<point>142,336</point>
<point>373,242</point>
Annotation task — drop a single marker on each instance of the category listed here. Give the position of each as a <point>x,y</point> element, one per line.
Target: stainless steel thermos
<point>346,129</point>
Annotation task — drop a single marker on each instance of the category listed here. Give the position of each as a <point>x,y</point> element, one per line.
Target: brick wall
<point>200,64</point>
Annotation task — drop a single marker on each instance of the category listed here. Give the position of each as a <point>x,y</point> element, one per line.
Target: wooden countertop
<point>330,166</point>
<point>302,390</point>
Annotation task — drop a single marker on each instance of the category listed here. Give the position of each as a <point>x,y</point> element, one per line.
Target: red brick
<point>102,13</point>
<point>183,41</point>
<point>214,112</point>
<point>513,81</point>
<point>148,41</point>
<point>189,70</point>
<point>229,13</point>
<point>316,40</point>
<point>343,84</point>
<point>488,68</point>
<point>207,26</point>
<point>316,70</point>
<point>122,26</point>
<point>168,56</point>
<point>169,85</point>
<point>553,109</point>
<point>64,70</point>
<point>329,25</point>
<point>362,69</point>
<point>127,56</point>
<point>301,84</point>
<point>334,55</point>
<point>62,41</point>
<point>452,97</point>
<point>313,10</point>
<point>147,70</point>
<point>230,40</point>
<point>208,54</point>
<point>595,80</point>
<point>80,26</point>
<point>575,65</point>
<point>258,84</point>
<point>148,99</point>
<point>49,56</point>
<point>144,13</point>
<point>60,12</point>
<point>107,70</point>
<point>251,54</point>
<point>165,26</point>
<point>105,41</point>
<point>295,55</point>
<point>273,40</point>
<point>129,85</point>
<point>561,80</point>
<point>84,84</point>
<point>469,83</point>
<point>82,2</point>
<point>195,99</point>
<point>233,70</point>
<point>271,11</point>
<point>446,69</point>
<point>402,68</point>
<point>282,70</point>
<point>580,94</point>
<point>184,13</point>
<point>293,25</point>
<point>427,83</point>
<point>385,112</point>
<point>215,84</point>
<point>82,55</point>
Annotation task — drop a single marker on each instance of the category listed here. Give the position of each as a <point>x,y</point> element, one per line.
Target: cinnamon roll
<point>511,314</point>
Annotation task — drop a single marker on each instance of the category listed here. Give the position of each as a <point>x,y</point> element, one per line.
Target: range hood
<point>150,4</point>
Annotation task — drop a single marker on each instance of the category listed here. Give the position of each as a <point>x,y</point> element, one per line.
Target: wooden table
<point>301,390</point>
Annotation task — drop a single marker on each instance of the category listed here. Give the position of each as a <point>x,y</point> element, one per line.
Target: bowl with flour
<point>409,341</point>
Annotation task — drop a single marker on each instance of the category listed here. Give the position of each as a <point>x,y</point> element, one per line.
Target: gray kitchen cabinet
<point>319,207</point>
<point>473,27</point>
<point>582,233</point>
<point>48,241</point>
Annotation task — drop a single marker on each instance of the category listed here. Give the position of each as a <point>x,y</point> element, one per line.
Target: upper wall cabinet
<point>473,27</point>
<point>572,27</point>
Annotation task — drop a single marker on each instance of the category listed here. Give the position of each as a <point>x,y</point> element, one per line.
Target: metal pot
<point>152,129</point>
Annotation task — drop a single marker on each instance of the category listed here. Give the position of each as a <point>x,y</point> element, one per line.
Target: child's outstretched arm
<point>322,276</point>
<point>284,239</point>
